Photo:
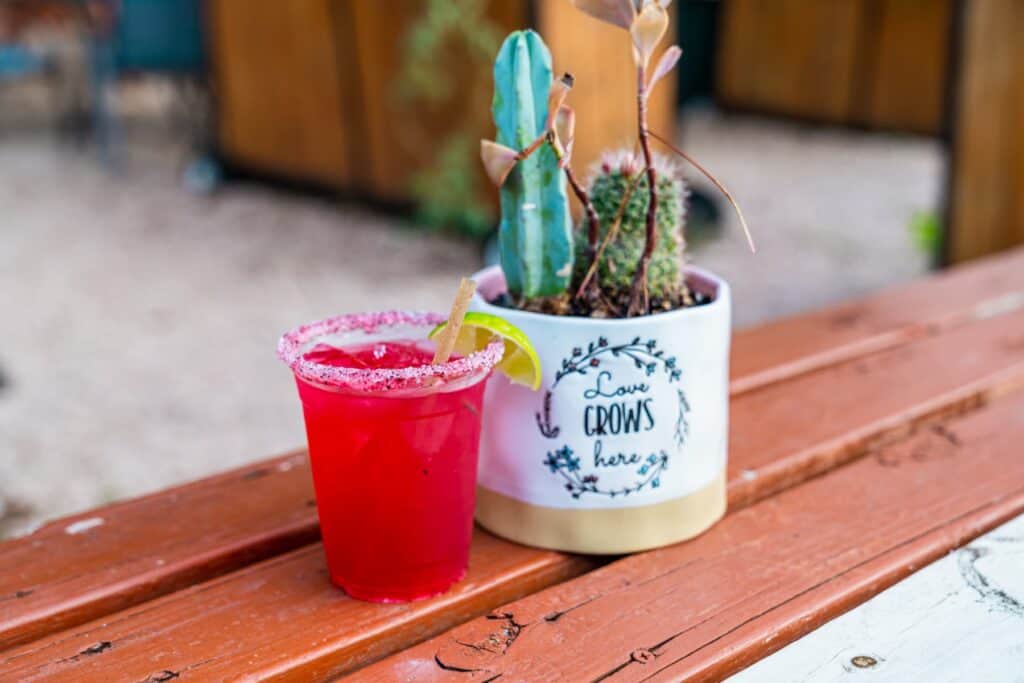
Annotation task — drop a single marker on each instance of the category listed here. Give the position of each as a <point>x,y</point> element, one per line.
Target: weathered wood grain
<point>781,435</point>
<point>761,578</point>
<point>80,567</point>
<point>787,432</point>
<point>278,620</point>
<point>787,347</point>
<point>149,546</point>
<point>959,618</point>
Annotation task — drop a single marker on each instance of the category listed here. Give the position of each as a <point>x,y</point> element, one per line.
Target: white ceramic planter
<point>624,446</point>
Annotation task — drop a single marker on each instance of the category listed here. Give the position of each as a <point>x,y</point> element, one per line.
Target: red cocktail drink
<point>393,446</point>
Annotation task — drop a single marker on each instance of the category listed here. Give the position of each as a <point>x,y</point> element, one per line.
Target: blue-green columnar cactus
<point>535,236</point>
<point>616,173</point>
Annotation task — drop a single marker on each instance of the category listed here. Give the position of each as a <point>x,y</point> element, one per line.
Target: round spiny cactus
<point>613,177</point>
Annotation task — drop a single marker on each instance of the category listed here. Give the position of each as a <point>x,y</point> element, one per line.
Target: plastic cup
<point>393,453</point>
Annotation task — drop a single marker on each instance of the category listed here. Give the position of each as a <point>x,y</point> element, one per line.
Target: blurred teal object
<point>17,61</point>
<point>159,35</point>
<point>202,175</point>
<point>148,36</point>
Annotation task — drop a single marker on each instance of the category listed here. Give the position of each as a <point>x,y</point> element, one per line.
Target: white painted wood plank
<point>958,619</point>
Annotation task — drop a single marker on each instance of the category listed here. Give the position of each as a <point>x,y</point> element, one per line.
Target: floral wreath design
<point>565,463</point>
<point>646,356</point>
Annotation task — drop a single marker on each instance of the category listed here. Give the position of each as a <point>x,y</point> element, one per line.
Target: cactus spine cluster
<point>535,235</point>
<point>617,176</point>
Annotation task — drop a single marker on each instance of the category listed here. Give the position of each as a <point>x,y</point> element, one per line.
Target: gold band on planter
<point>603,530</point>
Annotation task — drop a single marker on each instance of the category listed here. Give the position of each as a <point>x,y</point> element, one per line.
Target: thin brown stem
<point>638,299</point>
<point>534,146</point>
<point>715,181</point>
<point>593,222</point>
<point>588,279</point>
<point>593,225</point>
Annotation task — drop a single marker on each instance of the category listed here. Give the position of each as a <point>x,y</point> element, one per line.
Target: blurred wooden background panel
<point>987,193</point>
<point>790,57</point>
<point>314,88</point>
<point>903,65</point>
<point>401,133</point>
<point>878,63</point>
<point>280,96</point>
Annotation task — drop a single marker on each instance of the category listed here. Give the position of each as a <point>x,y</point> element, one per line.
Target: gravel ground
<point>830,210</point>
<point>139,321</point>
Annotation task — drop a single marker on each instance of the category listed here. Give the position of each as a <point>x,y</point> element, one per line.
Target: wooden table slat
<point>790,346</point>
<point>784,433</point>
<point>824,418</point>
<point>760,579</point>
<point>262,618</point>
<point>81,567</point>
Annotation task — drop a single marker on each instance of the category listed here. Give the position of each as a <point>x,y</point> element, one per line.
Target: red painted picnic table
<point>867,440</point>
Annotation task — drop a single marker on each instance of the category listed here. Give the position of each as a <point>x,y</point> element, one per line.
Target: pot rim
<point>719,305</point>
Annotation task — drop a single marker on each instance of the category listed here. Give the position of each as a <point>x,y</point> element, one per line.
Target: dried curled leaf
<point>667,62</point>
<point>499,161</point>
<point>647,31</point>
<point>559,90</point>
<point>565,129</point>
<point>616,12</point>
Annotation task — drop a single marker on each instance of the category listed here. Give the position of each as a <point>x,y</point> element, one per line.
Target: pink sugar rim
<point>289,350</point>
